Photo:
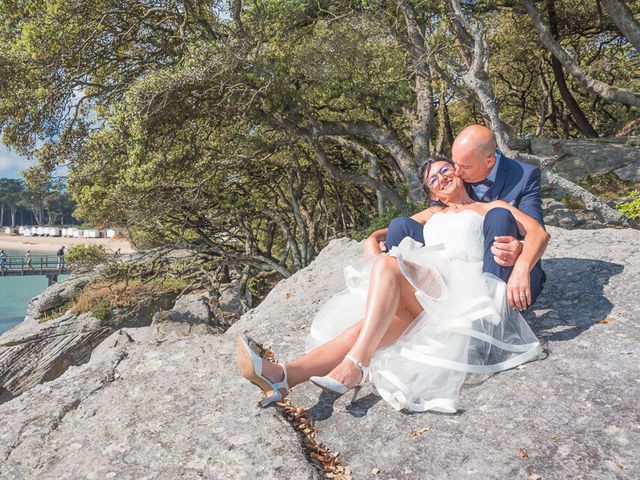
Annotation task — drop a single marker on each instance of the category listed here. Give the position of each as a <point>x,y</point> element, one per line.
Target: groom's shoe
<point>332,385</point>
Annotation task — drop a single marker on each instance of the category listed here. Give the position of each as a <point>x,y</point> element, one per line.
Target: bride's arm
<point>375,241</point>
<point>536,240</point>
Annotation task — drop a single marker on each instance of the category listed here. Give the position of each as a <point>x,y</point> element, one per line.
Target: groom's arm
<point>531,200</point>
<point>506,250</point>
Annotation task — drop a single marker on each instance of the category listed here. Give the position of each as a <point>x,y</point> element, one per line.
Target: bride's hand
<point>519,288</point>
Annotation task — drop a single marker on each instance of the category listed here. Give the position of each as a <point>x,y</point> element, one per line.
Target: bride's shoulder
<point>494,204</point>
<point>425,215</point>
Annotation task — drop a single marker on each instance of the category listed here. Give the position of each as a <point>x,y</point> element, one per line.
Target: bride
<point>415,321</point>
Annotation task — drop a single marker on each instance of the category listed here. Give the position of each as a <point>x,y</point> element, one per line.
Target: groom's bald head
<point>473,152</point>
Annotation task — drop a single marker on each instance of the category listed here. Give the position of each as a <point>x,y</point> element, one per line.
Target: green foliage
<point>630,208</point>
<point>196,129</point>
<point>86,256</point>
<point>608,186</point>
<point>102,311</point>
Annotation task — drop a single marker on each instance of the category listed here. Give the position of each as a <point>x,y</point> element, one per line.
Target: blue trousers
<point>498,222</point>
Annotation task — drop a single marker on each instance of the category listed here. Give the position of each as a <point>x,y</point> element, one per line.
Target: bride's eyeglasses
<point>433,180</point>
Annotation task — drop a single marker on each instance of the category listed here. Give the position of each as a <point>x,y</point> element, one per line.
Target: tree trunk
<point>624,20</point>
<point>608,92</point>
<point>363,181</point>
<point>477,79</point>
<point>422,121</point>
<point>391,143</point>
<point>373,160</point>
<point>582,123</point>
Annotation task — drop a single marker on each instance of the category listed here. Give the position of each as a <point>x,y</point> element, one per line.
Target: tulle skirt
<point>466,327</point>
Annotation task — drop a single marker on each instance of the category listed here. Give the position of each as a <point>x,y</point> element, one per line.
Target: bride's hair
<point>424,168</point>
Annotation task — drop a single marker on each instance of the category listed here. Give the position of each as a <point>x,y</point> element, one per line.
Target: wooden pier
<point>49,265</point>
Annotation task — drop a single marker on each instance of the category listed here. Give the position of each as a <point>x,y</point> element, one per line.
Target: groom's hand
<point>506,250</point>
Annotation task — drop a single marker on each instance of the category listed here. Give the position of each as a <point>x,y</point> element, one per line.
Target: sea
<point>15,292</point>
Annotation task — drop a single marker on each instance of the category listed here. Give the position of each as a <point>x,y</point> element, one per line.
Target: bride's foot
<point>270,377</point>
<point>349,374</point>
<point>274,373</point>
<point>346,373</point>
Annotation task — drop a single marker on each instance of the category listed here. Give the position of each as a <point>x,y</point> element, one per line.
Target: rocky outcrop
<point>580,158</point>
<point>44,345</point>
<point>37,351</point>
<point>58,295</point>
<point>175,407</point>
<point>558,214</point>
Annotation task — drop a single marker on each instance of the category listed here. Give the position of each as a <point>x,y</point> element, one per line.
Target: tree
<point>258,137</point>
<point>10,193</point>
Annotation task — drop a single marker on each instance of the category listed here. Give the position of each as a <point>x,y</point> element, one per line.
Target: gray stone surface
<point>191,308</point>
<point>231,298</point>
<point>630,173</point>
<point>38,351</point>
<point>154,407</point>
<point>557,214</point>
<point>153,411</point>
<point>591,157</point>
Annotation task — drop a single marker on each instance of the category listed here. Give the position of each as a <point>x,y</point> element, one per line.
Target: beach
<point>52,244</point>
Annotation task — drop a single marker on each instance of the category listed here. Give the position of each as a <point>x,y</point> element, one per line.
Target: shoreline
<point>52,244</point>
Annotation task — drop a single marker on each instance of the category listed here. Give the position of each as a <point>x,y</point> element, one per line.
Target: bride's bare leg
<point>391,307</point>
<point>324,358</point>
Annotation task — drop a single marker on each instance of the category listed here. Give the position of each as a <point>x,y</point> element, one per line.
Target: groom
<point>490,176</point>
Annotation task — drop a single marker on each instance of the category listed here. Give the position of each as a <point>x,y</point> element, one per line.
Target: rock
<point>630,173</point>
<point>34,352</point>
<point>192,308</point>
<point>233,299</point>
<point>58,294</point>
<point>591,157</point>
<point>177,407</point>
<point>557,214</point>
<point>161,428</point>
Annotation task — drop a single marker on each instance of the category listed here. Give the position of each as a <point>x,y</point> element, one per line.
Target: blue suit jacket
<point>517,183</point>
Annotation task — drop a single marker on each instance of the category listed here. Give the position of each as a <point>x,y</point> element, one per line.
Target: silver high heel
<point>332,385</point>
<point>250,364</point>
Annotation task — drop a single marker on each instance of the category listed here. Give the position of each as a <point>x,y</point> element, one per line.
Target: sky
<point>11,163</point>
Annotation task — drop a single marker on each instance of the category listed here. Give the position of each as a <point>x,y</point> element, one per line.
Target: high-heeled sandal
<point>332,385</point>
<point>250,364</point>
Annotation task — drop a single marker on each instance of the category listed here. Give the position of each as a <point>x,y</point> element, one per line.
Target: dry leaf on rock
<point>420,431</point>
<point>522,453</point>
<point>606,320</point>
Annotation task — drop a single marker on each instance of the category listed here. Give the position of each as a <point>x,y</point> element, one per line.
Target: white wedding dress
<point>466,325</point>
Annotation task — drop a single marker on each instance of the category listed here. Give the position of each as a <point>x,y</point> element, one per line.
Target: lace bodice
<point>460,233</point>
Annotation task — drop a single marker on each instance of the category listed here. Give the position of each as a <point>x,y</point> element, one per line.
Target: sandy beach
<point>52,244</point>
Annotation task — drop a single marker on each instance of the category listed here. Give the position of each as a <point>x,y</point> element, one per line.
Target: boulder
<point>176,407</point>
<point>58,295</point>
<point>591,157</point>
<point>557,214</point>
<point>234,299</point>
